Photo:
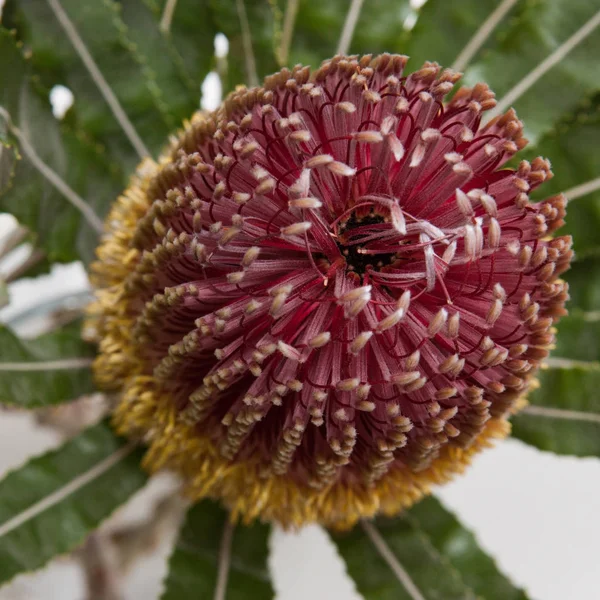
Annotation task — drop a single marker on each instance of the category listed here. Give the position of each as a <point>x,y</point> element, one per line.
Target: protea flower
<point>328,295</point>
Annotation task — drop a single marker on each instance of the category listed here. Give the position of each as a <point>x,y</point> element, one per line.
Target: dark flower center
<point>351,234</point>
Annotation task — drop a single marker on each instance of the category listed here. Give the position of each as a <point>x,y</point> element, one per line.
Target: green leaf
<point>444,28</point>
<point>206,545</point>
<point>425,547</point>
<point>175,80</point>
<point>191,34</point>
<point>48,370</point>
<point>584,284</point>
<point>138,63</point>
<point>564,415</point>
<point>261,23</point>
<point>97,179</point>
<point>3,293</point>
<point>8,160</point>
<point>29,195</point>
<point>572,147</point>
<point>579,337</point>
<point>48,506</point>
<point>524,40</point>
<point>317,30</point>
<point>319,27</point>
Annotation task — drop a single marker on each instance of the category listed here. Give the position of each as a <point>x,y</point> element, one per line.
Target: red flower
<point>334,284</point>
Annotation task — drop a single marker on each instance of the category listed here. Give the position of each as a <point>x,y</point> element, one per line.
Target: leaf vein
<point>67,490</point>
<point>386,553</point>
<point>98,78</point>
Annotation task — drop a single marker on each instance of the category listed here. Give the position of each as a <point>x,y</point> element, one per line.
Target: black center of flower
<point>350,234</point>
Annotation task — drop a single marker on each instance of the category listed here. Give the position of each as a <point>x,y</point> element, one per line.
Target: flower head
<point>328,295</point>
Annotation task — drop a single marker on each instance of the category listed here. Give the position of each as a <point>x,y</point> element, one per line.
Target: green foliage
<point>8,159</point>
<point>569,388</point>
<point>572,147</point>
<point>522,41</point>
<point>579,337</point>
<point>3,293</point>
<point>584,283</point>
<point>444,28</point>
<point>58,227</point>
<point>193,567</point>
<point>139,64</point>
<point>261,23</point>
<point>435,551</point>
<point>191,35</point>
<point>45,512</point>
<point>314,41</point>
<point>39,376</point>
<point>571,391</point>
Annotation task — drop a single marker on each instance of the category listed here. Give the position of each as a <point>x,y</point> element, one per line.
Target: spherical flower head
<point>328,295</point>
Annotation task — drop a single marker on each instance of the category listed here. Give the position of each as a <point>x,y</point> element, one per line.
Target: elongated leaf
<point>423,553</point>
<point>135,60</point>
<point>460,548</point>
<point>204,550</point>
<point>572,147</point>
<point>48,370</point>
<point>49,505</point>
<point>319,27</point>
<point>261,23</point>
<point>191,34</point>
<point>579,337</point>
<point>176,80</point>
<point>444,28</point>
<point>58,226</point>
<point>564,415</point>
<point>317,30</point>
<point>8,159</point>
<point>523,41</point>
<point>584,284</point>
<point>3,293</point>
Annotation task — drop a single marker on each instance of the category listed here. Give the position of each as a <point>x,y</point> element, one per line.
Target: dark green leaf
<point>8,160</point>
<point>49,505</point>
<point>584,284</point>
<point>433,549</point>
<point>564,415</point>
<point>58,226</point>
<point>139,64</point>
<point>319,27</point>
<point>579,337</point>
<point>191,35</point>
<point>3,293</point>
<point>572,147</point>
<point>48,370</point>
<point>444,28</point>
<point>194,564</point>
<point>261,22</point>
<point>175,80</point>
<point>522,41</point>
<point>460,548</point>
